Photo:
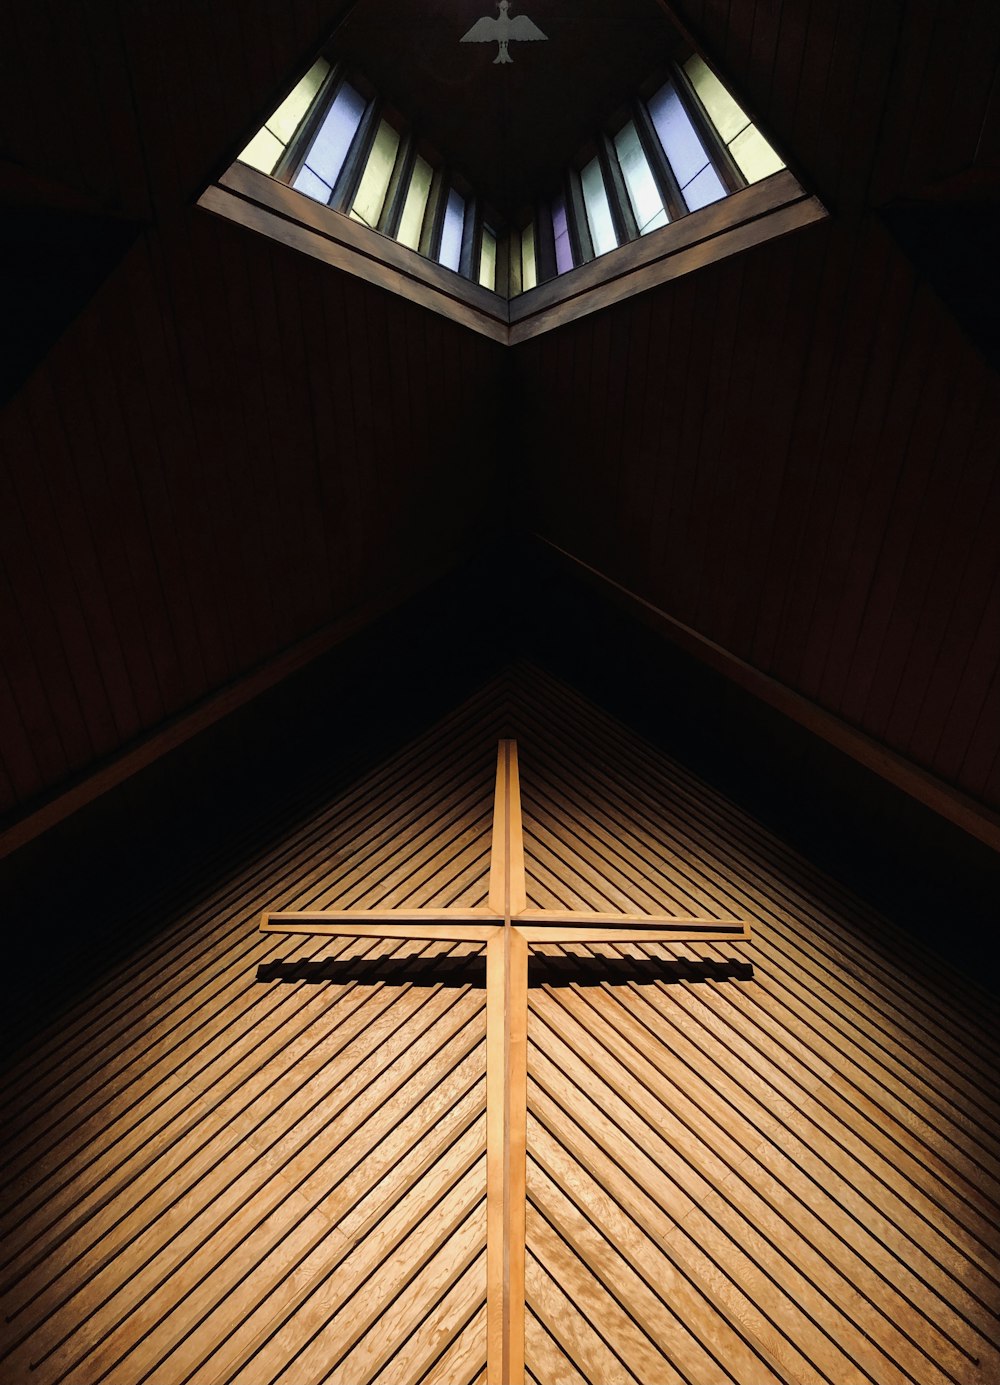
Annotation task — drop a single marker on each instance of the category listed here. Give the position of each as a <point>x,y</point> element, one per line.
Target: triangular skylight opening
<point>656,186</point>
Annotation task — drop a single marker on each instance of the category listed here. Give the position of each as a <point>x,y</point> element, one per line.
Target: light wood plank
<point>631,932</point>
<point>346,923</point>
<point>507,884</point>
<point>506,1104</point>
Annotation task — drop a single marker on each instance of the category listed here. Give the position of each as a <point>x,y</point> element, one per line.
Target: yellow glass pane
<point>412,220</point>
<point>488,260</point>
<point>375,180</point>
<point>727,117</point>
<point>529,274</point>
<point>754,156</point>
<point>262,152</point>
<point>288,116</point>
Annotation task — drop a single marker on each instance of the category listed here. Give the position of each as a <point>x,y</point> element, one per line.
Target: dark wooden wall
<point>231,447</point>
<point>872,102</point>
<point>796,452</point>
<point>208,468</point>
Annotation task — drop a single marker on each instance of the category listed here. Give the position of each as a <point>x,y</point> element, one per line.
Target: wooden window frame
<point>748,215</point>
<point>775,206</point>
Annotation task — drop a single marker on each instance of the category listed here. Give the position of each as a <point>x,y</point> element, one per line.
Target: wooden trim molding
<point>183,727</point>
<point>942,798</point>
<point>773,207</point>
<point>273,209</point>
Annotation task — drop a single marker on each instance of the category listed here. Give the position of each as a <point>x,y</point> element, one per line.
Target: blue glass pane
<point>681,143</point>
<point>307,182</point>
<point>329,149</point>
<point>560,230</point>
<point>595,200</point>
<point>451,232</point>
<point>707,187</point>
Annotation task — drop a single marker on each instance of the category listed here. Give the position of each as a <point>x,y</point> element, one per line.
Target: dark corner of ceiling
<point>54,260</point>
<point>951,232</point>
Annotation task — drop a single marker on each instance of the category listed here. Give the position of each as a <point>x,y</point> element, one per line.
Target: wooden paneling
<point>254,1158</point>
<point>230,447</point>
<point>867,103</point>
<point>269,1176</point>
<point>811,485</point>
<point>215,462</point>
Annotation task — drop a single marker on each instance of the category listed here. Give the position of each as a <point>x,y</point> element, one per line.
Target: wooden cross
<point>508,927</point>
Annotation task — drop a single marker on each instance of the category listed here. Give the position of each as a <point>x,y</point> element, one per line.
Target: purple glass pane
<point>706,187</point>
<point>307,182</point>
<point>451,232</point>
<point>329,149</point>
<point>681,143</point>
<point>560,230</point>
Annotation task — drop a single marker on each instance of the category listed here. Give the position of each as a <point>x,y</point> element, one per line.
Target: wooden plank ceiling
<point>257,1159</point>
<point>795,452</point>
<point>231,447</point>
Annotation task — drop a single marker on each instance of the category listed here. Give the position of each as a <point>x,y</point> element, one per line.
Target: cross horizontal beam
<point>424,925</point>
<point>534,925</point>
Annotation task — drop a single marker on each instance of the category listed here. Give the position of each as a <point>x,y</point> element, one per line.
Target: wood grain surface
<point>788,1174</point>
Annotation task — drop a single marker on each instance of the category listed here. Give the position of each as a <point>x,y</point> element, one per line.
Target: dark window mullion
<point>468,262</point>
<point>622,215</point>
<point>579,227</point>
<point>501,283</point>
<point>437,203</point>
<point>399,183</point>
<point>346,187</point>
<point>545,245</point>
<point>663,174</point>
<point>291,161</point>
<point>725,164</point>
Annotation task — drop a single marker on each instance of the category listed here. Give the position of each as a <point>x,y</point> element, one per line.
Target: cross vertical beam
<point>506,1120</point>
<point>508,893</point>
<point>506,1084</point>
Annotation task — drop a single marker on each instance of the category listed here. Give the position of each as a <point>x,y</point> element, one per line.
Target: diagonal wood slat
<point>794,1179</point>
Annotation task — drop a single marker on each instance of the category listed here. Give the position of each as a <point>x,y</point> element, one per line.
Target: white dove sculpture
<point>502,30</point>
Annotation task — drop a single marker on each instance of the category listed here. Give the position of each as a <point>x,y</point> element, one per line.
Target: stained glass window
<point>529,268</point>
<point>751,152</point>
<point>451,233</point>
<point>325,156</point>
<point>595,199</point>
<point>374,185</point>
<point>412,220</point>
<point>686,153</point>
<point>560,231</point>
<point>267,146</point>
<point>644,195</point>
<point>488,260</point>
